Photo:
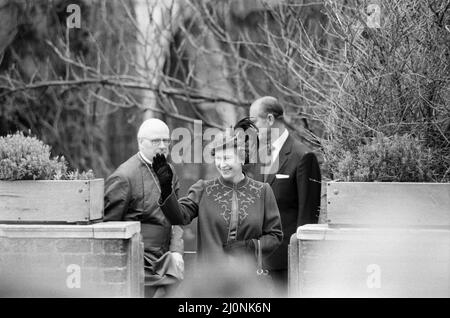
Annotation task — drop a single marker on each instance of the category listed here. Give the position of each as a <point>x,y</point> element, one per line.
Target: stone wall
<point>337,261</point>
<point>100,260</point>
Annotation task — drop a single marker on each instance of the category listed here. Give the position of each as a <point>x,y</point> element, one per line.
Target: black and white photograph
<point>235,151</point>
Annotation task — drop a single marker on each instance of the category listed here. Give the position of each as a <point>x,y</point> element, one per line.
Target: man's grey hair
<point>271,105</point>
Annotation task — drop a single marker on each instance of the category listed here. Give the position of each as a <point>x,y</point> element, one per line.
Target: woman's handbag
<point>263,274</point>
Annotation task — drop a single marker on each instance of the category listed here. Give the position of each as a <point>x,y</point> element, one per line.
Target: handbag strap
<point>259,267</point>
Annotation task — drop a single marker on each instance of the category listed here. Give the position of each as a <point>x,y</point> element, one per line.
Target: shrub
<point>400,158</point>
<point>75,175</point>
<point>28,158</point>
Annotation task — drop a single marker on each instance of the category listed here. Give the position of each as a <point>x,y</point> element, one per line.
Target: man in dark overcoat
<point>293,173</point>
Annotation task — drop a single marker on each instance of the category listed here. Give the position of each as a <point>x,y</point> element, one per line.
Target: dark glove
<point>164,174</point>
<point>240,247</point>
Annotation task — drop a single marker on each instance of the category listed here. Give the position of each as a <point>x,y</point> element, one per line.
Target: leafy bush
<point>75,175</point>
<point>28,158</point>
<point>400,158</point>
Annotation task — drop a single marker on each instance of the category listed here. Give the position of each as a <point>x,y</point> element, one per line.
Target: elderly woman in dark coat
<point>234,211</point>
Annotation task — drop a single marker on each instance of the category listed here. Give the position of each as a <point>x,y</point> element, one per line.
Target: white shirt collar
<point>277,144</point>
<point>145,158</point>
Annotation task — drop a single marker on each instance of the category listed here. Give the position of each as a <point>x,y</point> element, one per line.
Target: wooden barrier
<point>369,262</point>
<point>55,201</point>
<point>388,204</point>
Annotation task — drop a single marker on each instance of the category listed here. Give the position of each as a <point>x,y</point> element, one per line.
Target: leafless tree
<point>343,69</point>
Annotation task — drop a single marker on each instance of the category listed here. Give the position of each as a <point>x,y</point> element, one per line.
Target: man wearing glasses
<point>132,193</point>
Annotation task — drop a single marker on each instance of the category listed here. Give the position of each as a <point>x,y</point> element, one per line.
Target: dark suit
<point>298,195</point>
<point>132,194</point>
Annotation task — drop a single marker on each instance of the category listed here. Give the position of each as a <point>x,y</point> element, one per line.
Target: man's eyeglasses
<point>157,141</point>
